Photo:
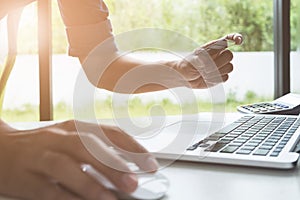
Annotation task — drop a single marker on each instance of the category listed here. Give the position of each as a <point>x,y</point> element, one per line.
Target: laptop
<point>270,141</point>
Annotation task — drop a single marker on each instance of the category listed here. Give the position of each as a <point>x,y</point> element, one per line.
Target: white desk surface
<point>196,181</point>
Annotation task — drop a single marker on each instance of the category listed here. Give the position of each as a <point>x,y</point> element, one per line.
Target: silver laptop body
<point>270,141</point>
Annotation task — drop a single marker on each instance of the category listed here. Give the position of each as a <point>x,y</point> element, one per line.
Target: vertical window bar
<point>45,59</point>
<point>281,47</point>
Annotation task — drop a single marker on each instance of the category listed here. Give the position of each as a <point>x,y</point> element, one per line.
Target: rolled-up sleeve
<point>82,39</point>
<point>87,24</point>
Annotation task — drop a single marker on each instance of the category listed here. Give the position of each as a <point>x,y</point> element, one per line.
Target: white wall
<point>253,71</point>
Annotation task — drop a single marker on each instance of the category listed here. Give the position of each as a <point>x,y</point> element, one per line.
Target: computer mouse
<point>150,186</point>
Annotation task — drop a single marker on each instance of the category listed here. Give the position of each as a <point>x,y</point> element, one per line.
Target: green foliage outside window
<point>201,20</point>
<point>205,20</point>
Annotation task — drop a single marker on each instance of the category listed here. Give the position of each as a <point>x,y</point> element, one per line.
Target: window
<point>252,79</point>
<point>21,98</point>
<point>295,46</point>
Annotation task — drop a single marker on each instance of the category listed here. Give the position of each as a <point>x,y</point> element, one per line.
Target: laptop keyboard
<point>252,135</point>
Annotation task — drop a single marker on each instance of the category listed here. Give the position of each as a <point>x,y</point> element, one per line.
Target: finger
<point>128,147</point>
<point>214,47</point>
<point>189,68</point>
<point>217,79</point>
<point>68,173</point>
<point>39,187</point>
<point>82,137</point>
<point>114,136</point>
<point>89,149</point>
<point>224,58</point>
<point>236,37</point>
<point>206,83</point>
<point>131,149</point>
<point>219,44</point>
<point>201,63</point>
<point>225,77</point>
<point>226,69</point>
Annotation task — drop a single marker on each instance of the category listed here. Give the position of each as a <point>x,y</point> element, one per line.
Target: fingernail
<point>107,196</point>
<point>239,40</point>
<point>130,181</point>
<point>151,164</point>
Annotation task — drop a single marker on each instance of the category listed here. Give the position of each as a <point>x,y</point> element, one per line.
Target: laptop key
<point>256,140</point>
<point>274,154</point>
<point>218,135</point>
<point>230,149</point>
<point>237,143</point>
<point>266,147</point>
<point>211,138</point>
<point>253,142</point>
<point>269,143</point>
<point>244,151</point>
<point>224,141</point>
<point>242,140</point>
<point>251,148</point>
<point>229,138</point>
<point>280,146</point>
<point>232,135</point>
<point>261,152</point>
<point>251,145</point>
<point>204,145</point>
<point>216,147</point>
<point>193,147</point>
<point>285,140</point>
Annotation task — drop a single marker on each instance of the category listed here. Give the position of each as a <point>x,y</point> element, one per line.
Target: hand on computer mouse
<point>209,64</point>
<point>45,163</point>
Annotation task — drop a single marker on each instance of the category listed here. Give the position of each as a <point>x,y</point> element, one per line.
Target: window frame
<point>45,59</point>
<point>282,47</point>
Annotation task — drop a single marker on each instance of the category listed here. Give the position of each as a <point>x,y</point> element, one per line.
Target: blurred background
<point>251,81</point>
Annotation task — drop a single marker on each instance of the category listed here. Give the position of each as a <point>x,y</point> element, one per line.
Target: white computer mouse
<point>150,186</point>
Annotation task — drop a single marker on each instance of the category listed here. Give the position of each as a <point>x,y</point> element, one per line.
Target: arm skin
<point>116,70</point>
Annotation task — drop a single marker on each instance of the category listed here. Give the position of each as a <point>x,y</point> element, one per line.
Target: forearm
<point>126,66</point>
<point>126,75</point>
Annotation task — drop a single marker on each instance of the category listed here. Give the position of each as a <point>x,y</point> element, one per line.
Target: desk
<point>193,181</point>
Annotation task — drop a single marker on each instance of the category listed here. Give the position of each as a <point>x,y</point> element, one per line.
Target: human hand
<point>209,64</point>
<point>45,163</point>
